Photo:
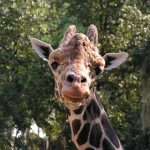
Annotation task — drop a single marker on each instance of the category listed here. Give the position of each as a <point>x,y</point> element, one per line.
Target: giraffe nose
<point>73,78</point>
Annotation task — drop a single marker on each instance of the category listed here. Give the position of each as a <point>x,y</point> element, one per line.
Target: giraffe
<point>76,64</point>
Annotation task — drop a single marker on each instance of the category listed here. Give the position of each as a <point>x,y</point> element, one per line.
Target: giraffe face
<point>75,67</point>
<point>76,63</point>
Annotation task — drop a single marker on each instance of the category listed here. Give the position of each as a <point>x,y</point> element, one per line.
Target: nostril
<point>83,80</point>
<point>70,78</point>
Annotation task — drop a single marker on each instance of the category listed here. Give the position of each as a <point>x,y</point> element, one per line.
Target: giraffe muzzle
<point>75,92</point>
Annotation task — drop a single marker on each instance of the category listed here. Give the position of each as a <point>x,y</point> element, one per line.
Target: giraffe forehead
<point>80,43</point>
<point>78,52</point>
<point>80,49</point>
<point>78,39</point>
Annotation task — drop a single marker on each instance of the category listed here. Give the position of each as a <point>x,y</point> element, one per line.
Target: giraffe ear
<point>113,60</point>
<point>41,48</point>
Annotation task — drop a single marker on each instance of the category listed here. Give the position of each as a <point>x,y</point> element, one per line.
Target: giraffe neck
<point>90,127</point>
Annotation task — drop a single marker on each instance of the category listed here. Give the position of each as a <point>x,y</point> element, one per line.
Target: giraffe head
<point>76,64</point>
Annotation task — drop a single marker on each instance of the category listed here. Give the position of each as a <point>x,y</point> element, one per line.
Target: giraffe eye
<point>98,70</point>
<point>54,65</point>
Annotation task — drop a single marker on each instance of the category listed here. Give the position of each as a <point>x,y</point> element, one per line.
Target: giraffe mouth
<point>76,92</point>
<point>73,98</point>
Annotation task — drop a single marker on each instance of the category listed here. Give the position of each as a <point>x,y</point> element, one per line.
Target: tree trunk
<point>145,94</point>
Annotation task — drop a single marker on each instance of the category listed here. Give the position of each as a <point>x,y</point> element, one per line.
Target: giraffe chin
<point>73,103</point>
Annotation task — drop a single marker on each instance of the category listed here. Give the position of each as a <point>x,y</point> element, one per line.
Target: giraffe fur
<point>76,65</point>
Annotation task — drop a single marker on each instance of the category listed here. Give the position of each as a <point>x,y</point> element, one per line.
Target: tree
<point>23,84</point>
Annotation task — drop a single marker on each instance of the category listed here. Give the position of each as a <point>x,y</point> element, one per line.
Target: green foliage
<point>24,80</point>
<point>27,85</point>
